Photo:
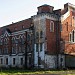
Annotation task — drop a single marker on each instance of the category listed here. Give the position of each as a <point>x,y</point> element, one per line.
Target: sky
<point>17,10</point>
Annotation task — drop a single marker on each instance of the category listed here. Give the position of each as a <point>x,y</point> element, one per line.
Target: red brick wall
<point>69,47</point>
<point>51,37</point>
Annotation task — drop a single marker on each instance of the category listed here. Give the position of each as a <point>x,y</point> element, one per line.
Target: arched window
<point>13,40</point>
<point>51,26</point>
<point>13,50</point>
<point>6,41</point>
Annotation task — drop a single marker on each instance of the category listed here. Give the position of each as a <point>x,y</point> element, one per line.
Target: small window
<point>21,61</point>
<point>23,48</point>
<point>14,50</point>
<point>37,34</point>
<point>6,61</point>
<point>40,46</point>
<point>13,61</point>
<point>0,41</point>
<point>37,47</point>
<point>15,28</point>
<point>0,51</point>
<point>6,50</point>
<point>13,40</point>
<point>51,26</point>
<point>1,61</point>
<point>61,59</point>
<point>20,49</point>
<point>28,37</point>
<point>16,41</point>
<point>70,37</point>
<point>39,61</point>
<point>22,27</point>
<point>5,41</point>
<point>41,34</point>
<point>73,35</point>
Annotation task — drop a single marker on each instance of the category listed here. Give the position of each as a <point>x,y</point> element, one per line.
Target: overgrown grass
<point>23,71</point>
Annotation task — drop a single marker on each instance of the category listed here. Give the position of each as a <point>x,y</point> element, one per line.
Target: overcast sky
<point>17,10</point>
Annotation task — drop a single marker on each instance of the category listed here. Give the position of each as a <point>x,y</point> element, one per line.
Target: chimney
<point>45,9</point>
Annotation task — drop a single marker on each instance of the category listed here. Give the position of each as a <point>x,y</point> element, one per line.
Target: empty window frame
<point>37,47</point>
<point>6,61</point>
<point>21,60</point>
<point>1,61</point>
<point>13,61</point>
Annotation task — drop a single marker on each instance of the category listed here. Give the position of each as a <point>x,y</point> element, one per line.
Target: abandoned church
<point>45,40</point>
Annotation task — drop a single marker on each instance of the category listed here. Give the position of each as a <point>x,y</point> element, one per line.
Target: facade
<point>46,40</point>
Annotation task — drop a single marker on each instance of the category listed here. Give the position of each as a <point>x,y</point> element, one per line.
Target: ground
<point>35,72</point>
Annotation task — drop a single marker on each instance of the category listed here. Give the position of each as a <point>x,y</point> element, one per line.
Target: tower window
<point>51,26</point>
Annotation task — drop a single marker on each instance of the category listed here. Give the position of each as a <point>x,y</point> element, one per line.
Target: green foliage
<point>15,71</point>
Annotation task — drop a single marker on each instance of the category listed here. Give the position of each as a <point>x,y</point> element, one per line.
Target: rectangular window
<point>1,61</point>
<point>39,61</point>
<point>37,47</point>
<point>30,60</point>
<point>66,26</point>
<point>73,36</point>
<point>6,61</point>
<point>13,61</point>
<point>5,50</point>
<point>13,50</point>
<point>37,34</point>
<point>0,41</point>
<point>70,37</point>
<point>21,61</point>
<point>40,46</point>
<point>0,51</point>
<point>23,48</point>
<point>20,49</point>
<point>16,41</point>
<point>41,34</point>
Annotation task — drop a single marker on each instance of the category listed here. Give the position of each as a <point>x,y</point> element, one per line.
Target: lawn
<point>25,72</point>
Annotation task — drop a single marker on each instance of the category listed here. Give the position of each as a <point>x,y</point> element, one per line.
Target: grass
<point>23,72</point>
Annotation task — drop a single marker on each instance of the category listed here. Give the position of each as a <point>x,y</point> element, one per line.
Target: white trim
<point>63,17</point>
<point>43,16</point>
<point>20,32</point>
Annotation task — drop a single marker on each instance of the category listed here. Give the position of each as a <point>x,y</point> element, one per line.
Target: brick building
<point>45,40</point>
